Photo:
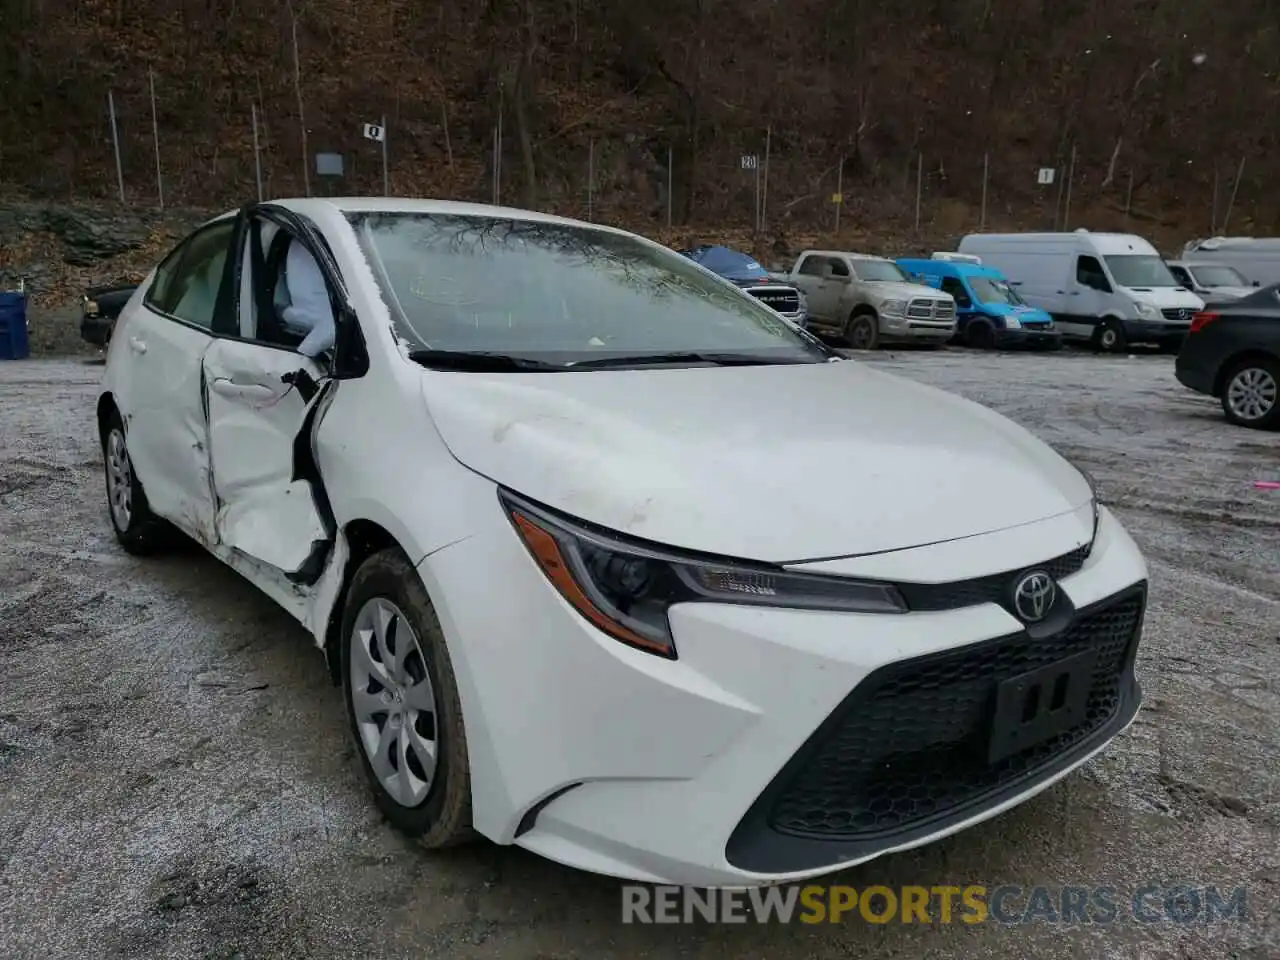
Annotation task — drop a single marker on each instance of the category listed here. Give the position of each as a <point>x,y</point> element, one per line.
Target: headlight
<point>1012,323</point>
<point>893,308</point>
<point>1096,496</point>
<point>804,301</point>
<point>1147,310</point>
<point>90,306</point>
<point>626,588</point>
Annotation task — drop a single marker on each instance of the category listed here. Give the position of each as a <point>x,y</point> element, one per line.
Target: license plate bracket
<point>1041,704</point>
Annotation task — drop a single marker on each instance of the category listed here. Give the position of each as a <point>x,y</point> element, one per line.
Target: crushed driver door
<point>270,503</point>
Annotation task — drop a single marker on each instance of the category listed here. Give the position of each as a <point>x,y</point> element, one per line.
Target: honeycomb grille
<point>992,589</point>
<point>910,744</point>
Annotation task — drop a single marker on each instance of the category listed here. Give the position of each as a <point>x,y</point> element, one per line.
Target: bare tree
<point>297,87</point>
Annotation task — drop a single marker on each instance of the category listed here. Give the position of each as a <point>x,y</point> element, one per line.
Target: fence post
<point>155,135</point>
<point>1071,172</point>
<point>1226,217</point>
<point>919,185</point>
<point>1128,200</point>
<point>591,175</point>
<point>986,163</point>
<point>764,194</point>
<point>670,181</point>
<point>115,142</point>
<point>386,182</point>
<point>839,192</point>
<point>257,152</point>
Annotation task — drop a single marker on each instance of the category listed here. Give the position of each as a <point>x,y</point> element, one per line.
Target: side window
<point>953,286</point>
<point>1089,273</point>
<point>1182,276</point>
<point>839,268</point>
<point>811,266</point>
<point>292,302</point>
<point>187,282</point>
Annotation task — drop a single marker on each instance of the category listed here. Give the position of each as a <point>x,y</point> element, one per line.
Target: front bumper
<point>1028,337</point>
<point>1155,331</point>
<point>917,331</point>
<point>610,760</point>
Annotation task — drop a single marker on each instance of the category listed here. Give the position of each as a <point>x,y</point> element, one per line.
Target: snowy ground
<point>176,780</point>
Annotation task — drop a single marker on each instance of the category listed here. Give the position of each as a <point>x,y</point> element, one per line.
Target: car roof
<point>846,253</point>
<point>309,206</point>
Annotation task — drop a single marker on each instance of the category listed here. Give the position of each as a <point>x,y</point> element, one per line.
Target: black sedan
<point>1233,353</point>
<point>99,307</point>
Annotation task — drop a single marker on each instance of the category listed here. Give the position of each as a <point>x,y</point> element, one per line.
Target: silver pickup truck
<point>869,300</point>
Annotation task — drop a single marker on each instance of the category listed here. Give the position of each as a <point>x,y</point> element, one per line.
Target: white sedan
<point>535,498</point>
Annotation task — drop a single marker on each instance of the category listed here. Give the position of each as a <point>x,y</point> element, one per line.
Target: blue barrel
<point>13,326</point>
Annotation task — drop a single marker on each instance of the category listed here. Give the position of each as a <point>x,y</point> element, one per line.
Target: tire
<point>862,332</point>
<point>1251,394</point>
<point>421,697</point>
<point>139,530</point>
<point>980,336</point>
<point>1111,338</point>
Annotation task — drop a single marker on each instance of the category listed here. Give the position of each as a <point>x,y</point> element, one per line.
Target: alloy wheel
<point>1252,393</point>
<point>393,702</point>
<point>119,479</point>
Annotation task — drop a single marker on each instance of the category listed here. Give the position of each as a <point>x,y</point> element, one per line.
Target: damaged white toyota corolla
<point>534,486</point>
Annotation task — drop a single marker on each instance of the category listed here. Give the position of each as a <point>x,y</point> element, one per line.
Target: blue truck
<point>989,311</point>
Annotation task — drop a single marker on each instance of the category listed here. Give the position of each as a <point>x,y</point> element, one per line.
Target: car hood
<point>1018,311</point>
<point>773,463</point>
<point>1227,293</point>
<point>1165,297</point>
<point>904,291</point>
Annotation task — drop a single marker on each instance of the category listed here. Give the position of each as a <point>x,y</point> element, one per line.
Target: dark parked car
<point>1233,353</point>
<point>99,308</point>
<point>743,271</point>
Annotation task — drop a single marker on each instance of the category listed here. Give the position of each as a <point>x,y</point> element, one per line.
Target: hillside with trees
<point>1161,102</point>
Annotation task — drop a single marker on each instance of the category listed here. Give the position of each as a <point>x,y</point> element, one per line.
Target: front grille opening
<point>910,744</point>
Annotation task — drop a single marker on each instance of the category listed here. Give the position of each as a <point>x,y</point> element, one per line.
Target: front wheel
<point>863,331</point>
<point>1251,394</point>
<point>403,705</point>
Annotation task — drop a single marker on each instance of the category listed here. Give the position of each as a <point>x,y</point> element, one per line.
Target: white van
<point>1111,289</point>
<point>1257,259</point>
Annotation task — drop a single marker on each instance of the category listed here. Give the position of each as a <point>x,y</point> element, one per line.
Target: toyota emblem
<point>1033,596</point>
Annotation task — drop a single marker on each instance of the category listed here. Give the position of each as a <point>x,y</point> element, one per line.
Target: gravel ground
<point>176,778</point>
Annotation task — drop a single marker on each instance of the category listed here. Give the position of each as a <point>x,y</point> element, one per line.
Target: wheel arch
<point>1231,363</point>
<point>106,407</point>
<point>363,538</point>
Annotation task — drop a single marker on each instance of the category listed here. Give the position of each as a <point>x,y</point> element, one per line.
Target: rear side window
<point>187,282</point>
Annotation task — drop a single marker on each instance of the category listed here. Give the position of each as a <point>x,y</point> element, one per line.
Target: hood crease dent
<point>778,464</point>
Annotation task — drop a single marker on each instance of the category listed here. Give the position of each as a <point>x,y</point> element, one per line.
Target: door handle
<point>242,391</point>
<point>137,345</point>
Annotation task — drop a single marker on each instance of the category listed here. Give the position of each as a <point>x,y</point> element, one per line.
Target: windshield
<point>1140,270</point>
<point>1218,276</point>
<point>559,293</point>
<point>878,270</point>
<point>992,290</point>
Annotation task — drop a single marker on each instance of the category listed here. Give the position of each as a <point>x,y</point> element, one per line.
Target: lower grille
<point>909,746</point>
<point>1181,314</point>
<point>782,300</point>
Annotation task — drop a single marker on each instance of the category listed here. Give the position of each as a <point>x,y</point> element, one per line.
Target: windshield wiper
<point>478,361</point>
<point>719,359</point>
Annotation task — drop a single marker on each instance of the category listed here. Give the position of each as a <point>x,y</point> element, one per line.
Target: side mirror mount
<point>1257,283</point>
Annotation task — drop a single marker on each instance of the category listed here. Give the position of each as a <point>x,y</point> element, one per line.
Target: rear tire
<point>403,705</point>
<point>139,530</point>
<point>1111,338</point>
<point>862,332</point>
<point>1251,394</point>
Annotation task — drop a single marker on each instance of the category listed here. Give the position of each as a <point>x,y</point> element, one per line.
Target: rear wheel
<point>862,332</point>
<point>403,704</point>
<point>1251,394</point>
<point>137,528</point>
<point>1111,338</point>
